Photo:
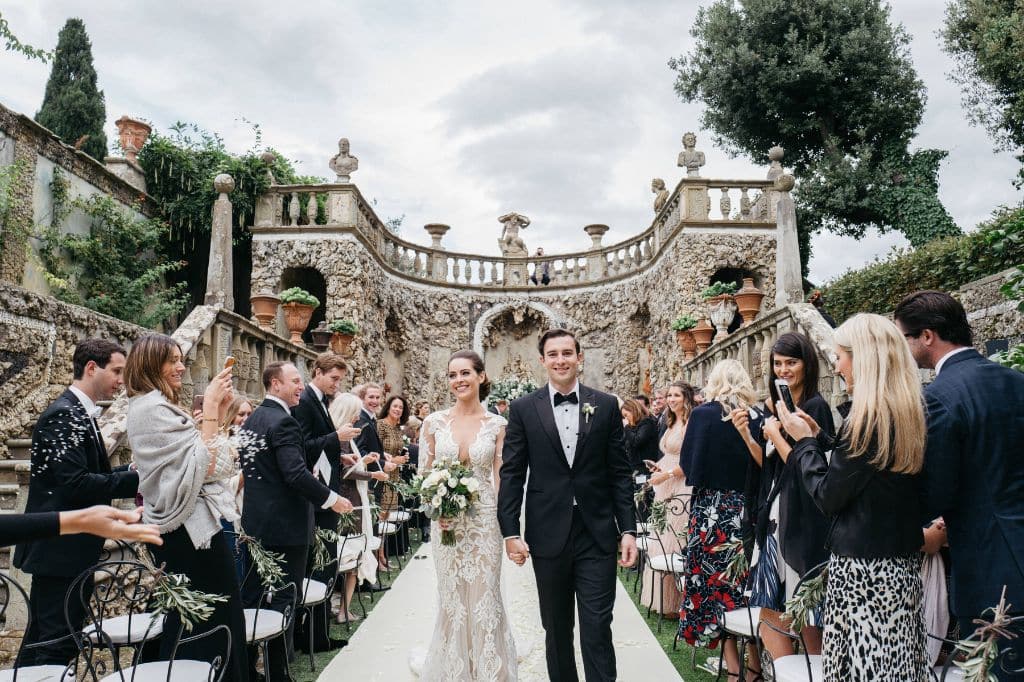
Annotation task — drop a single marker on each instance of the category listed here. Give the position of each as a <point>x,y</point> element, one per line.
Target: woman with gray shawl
<point>182,475</point>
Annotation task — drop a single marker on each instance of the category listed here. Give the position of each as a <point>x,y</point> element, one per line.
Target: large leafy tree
<point>73,106</point>
<point>986,38</point>
<point>832,82</point>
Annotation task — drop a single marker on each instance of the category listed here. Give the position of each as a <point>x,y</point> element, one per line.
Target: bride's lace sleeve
<point>427,431</point>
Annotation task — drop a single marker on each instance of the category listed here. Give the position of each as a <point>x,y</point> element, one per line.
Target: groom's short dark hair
<point>93,350</point>
<point>555,334</point>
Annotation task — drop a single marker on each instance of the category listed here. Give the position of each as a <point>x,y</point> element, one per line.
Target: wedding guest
<point>658,410</point>
<point>280,495</point>
<point>70,470</point>
<point>543,268</point>
<point>345,409</point>
<point>870,489</point>
<point>368,442</point>
<point>715,457</point>
<point>790,531</point>
<point>234,417</point>
<point>390,421</point>
<point>100,520</point>
<point>325,441</point>
<point>818,301</point>
<point>182,474</point>
<point>669,483</point>
<point>640,435</point>
<point>973,466</point>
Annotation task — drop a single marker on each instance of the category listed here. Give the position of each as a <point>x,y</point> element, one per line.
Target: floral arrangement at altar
<point>510,388</point>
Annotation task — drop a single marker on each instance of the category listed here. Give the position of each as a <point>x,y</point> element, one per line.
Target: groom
<point>579,506</point>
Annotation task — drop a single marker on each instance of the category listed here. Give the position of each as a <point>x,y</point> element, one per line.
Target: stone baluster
<point>480,271</point>
<point>294,210</point>
<point>744,205</point>
<point>494,274</point>
<point>312,208</point>
<point>725,204</point>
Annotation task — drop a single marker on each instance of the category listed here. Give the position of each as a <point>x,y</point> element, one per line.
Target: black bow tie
<point>571,398</point>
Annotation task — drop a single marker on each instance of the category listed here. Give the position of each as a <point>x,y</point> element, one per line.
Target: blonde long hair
<point>888,409</point>
<point>345,408</point>
<point>730,385</point>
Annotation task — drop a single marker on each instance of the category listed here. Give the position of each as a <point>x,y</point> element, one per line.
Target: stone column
<point>595,262</point>
<point>788,281</point>
<point>341,206</point>
<point>219,279</point>
<point>695,202</point>
<point>439,261</point>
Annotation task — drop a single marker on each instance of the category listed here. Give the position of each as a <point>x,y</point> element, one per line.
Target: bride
<point>472,639</point>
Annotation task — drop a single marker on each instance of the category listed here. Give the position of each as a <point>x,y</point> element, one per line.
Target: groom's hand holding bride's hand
<point>517,550</point>
<point>627,546</point>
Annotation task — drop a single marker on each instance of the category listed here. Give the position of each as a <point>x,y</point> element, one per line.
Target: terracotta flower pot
<point>264,309</point>
<point>133,134</point>
<point>748,300</point>
<point>702,334</point>
<point>342,344</point>
<point>321,336</point>
<point>686,341</point>
<point>721,310</point>
<point>296,318</point>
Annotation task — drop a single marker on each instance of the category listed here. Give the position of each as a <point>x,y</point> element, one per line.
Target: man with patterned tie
<point>324,452</point>
<point>70,470</point>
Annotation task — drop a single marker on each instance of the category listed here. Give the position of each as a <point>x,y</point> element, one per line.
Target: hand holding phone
<point>651,465</point>
<point>787,396</point>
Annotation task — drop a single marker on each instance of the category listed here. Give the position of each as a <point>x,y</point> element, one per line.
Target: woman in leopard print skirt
<point>874,626</point>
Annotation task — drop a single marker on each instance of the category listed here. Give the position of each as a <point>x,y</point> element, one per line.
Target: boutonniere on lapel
<point>588,410</point>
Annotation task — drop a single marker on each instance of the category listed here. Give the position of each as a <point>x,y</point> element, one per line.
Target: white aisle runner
<point>403,622</point>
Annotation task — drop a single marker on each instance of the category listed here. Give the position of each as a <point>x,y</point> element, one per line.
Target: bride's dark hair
<point>478,366</point>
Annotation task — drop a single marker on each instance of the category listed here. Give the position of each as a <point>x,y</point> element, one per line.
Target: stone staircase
<point>14,476</point>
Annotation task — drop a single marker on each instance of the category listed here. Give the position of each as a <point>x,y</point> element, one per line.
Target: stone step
<point>9,496</point>
<point>15,471</point>
<point>20,448</point>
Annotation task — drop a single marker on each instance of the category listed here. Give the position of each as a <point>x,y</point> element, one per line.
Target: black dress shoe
<point>373,588</point>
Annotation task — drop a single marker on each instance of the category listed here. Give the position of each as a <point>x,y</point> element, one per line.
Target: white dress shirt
<point>91,409</point>
<point>333,497</point>
<point>567,420</point>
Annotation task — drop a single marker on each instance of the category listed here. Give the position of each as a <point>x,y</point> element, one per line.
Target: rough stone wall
<point>37,337</point>
<point>623,326</point>
<point>991,315</point>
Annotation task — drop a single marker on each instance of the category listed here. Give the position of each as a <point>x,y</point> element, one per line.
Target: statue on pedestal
<point>344,164</point>
<point>690,158</point>
<point>661,194</point>
<point>511,244</point>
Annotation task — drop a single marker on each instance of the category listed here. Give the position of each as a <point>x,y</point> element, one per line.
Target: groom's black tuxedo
<point>573,545</point>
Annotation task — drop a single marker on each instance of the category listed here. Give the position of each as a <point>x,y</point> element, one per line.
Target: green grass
<point>681,655</point>
<point>300,669</point>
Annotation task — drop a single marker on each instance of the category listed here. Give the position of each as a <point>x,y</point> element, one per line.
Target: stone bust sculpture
<point>344,164</point>
<point>511,244</point>
<point>690,158</point>
<point>661,194</point>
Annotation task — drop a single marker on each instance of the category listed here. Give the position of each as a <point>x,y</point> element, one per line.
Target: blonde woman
<point>870,489</point>
<point>715,457</point>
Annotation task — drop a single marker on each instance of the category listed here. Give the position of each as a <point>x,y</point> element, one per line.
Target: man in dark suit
<point>71,470</point>
<point>280,494</point>
<point>368,442</point>
<point>579,506</point>
<point>974,462</point>
<point>323,450</point>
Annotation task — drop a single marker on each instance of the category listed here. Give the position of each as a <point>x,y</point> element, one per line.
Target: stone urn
<point>296,319</point>
<point>132,134</point>
<point>264,309</point>
<point>321,336</point>
<point>342,344</point>
<point>702,334</point>
<point>722,310</point>
<point>687,342</point>
<point>748,300</point>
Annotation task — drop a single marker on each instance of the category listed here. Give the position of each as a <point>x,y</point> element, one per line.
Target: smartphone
<point>229,362</point>
<point>197,403</point>
<point>650,465</point>
<point>787,396</point>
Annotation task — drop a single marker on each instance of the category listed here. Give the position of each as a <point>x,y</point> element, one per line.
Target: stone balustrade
<point>752,347</point>
<point>696,203</point>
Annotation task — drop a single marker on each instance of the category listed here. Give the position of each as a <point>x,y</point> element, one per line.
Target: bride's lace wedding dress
<point>472,639</point>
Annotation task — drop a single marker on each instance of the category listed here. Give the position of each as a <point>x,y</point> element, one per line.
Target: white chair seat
<point>36,673</point>
<point>642,529</point>
<point>668,563</point>
<point>794,668</point>
<point>269,623</point>
<point>386,528</point>
<point>314,591</point>
<point>642,543</point>
<point>399,516</point>
<point>738,623</point>
<point>955,674</point>
<point>144,626</point>
<point>181,671</point>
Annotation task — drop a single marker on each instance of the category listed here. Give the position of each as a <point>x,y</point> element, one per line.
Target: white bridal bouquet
<point>447,491</point>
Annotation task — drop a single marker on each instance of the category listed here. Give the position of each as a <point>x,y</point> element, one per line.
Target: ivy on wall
<point>945,264</point>
<point>119,268</point>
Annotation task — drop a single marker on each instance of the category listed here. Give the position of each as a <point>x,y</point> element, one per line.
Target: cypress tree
<point>73,106</point>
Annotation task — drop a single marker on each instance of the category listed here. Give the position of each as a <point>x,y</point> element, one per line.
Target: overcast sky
<point>462,111</point>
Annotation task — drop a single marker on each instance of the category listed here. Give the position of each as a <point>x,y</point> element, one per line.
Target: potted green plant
<point>721,307</point>
<point>683,327</point>
<point>342,333</point>
<point>298,306</point>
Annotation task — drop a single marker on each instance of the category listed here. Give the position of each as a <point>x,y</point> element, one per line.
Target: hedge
<point>944,264</point>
